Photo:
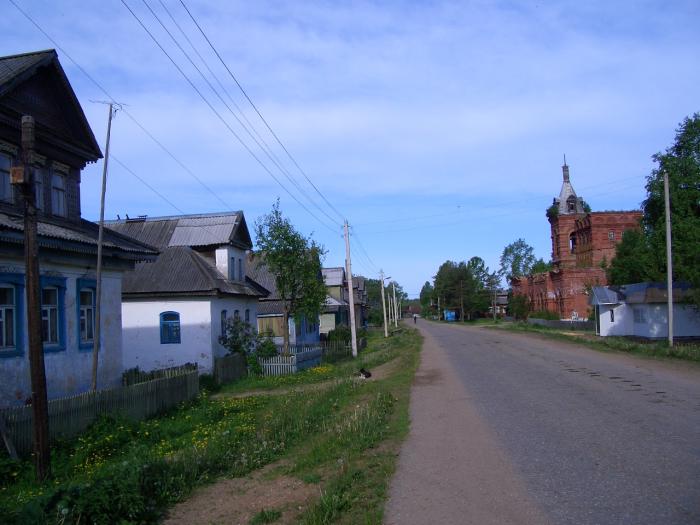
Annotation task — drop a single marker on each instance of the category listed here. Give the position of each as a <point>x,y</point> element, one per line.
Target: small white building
<point>641,310</point>
<point>175,309</point>
<point>35,84</point>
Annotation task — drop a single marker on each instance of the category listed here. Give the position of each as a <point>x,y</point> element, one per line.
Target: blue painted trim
<point>165,341</point>
<point>80,284</point>
<point>17,280</point>
<point>60,284</point>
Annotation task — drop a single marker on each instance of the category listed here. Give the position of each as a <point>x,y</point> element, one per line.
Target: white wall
<point>141,327</point>
<point>68,371</point>
<point>686,321</point>
<point>327,323</point>
<point>223,257</point>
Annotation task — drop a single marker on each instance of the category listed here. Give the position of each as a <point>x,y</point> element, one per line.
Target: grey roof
<point>333,276</point>
<point>78,237</point>
<point>270,307</point>
<point>213,229</point>
<point>639,293</point>
<point>257,271</point>
<point>180,270</point>
<point>17,69</point>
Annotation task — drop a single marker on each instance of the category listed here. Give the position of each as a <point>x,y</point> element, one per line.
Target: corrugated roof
<point>258,272</point>
<point>639,293</point>
<point>82,236</point>
<point>604,295</point>
<point>181,270</point>
<point>155,233</point>
<point>270,307</point>
<point>13,66</point>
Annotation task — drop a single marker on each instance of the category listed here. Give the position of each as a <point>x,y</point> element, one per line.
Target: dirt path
<point>236,501</point>
<point>450,469</point>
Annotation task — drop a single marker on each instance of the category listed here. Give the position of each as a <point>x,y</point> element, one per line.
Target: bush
<point>545,314</point>
<point>341,333</point>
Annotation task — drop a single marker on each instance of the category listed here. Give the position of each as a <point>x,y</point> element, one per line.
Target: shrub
<point>545,314</point>
<point>341,333</point>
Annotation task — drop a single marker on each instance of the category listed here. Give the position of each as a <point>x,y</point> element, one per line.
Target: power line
<point>223,121</point>
<point>259,113</point>
<point>270,156</point>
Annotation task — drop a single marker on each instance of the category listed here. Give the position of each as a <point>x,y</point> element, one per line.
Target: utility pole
<point>396,316</point>
<point>669,260</point>
<point>381,279</point>
<point>493,283</point>
<point>438,307</point>
<point>40,404</point>
<point>348,272</point>
<point>98,287</point>
<point>461,299</point>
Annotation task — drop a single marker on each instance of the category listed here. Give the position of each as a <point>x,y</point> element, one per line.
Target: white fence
<point>290,364</point>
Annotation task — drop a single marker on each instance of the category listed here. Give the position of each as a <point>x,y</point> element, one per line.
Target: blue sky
<point>437,128</point>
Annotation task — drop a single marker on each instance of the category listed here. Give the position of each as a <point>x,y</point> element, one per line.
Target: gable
<point>35,84</point>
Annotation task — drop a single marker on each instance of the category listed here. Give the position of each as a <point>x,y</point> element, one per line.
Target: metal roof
<point>77,237</point>
<point>639,293</point>
<point>181,270</point>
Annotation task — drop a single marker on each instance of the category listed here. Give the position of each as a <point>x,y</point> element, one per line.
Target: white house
<point>174,309</point>
<point>35,84</point>
<point>641,310</point>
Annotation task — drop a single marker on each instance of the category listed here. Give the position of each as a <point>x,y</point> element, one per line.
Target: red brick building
<point>583,243</point>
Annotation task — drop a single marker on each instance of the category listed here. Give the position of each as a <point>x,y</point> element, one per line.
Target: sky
<point>437,129</point>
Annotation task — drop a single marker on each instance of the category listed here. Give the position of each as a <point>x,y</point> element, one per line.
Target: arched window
<point>572,243</point>
<point>8,314</point>
<point>236,314</point>
<point>224,315</point>
<point>169,328</point>
<point>247,315</point>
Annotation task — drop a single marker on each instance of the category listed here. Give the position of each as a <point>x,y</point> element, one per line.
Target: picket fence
<point>291,363</point>
<point>69,416</point>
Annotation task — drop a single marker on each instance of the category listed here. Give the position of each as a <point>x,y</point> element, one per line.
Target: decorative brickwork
<point>582,244</point>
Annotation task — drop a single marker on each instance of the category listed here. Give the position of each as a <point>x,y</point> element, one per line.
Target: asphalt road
<point>515,428</point>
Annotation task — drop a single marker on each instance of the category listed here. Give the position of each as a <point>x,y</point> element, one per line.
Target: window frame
<point>170,324</point>
<point>240,269</point>
<point>80,285</point>
<point>247,315</point>
<point>59,283</point>
<point>16,282</point>
<point>224,314</point>
<point>5,183</point>
<point>59,191</point>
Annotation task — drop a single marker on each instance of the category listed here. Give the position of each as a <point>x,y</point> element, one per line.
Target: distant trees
<point>641,256</point>
<point>463,286</point>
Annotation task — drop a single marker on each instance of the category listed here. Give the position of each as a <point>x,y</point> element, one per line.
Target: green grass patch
<point>265,516</point>
<point>124,472</point>
<point>658,349</point>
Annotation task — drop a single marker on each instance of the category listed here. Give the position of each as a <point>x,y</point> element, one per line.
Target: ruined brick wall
<point>598,233</point>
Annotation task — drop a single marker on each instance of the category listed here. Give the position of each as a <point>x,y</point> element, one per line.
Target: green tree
<point>641,256</point>
<point>517,259</point>
<point>427,299</point>
<point>295,261</point>
<point>540,266</point>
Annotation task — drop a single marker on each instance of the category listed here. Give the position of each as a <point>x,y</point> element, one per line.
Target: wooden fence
<point>135,375</point>
<point>69,416</point>
<point>230,368</point>
<point>291,363</point>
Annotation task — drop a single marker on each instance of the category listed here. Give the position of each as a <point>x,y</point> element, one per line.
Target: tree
<point>427,299</point>
<point>295,261</point>
<point>641,256</point>
<point>517,259</point>
<point>540,266</point>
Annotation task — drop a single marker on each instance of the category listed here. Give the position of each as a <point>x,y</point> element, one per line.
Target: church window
<point>611,235</point>
<point>572,243</point>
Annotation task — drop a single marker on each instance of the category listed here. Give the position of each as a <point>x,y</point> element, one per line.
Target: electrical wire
<point>223,121</point>
<point>240,87</point>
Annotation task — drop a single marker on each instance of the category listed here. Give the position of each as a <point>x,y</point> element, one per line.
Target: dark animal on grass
<point>365,374</point>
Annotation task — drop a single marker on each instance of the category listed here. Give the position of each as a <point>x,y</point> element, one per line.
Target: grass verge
<point>688,352</point>
<point>126,472</point>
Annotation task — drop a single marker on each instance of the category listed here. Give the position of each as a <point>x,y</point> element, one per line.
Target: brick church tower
<point>583,242</point>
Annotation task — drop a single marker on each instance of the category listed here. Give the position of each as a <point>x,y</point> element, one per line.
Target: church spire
<point>565,170</point>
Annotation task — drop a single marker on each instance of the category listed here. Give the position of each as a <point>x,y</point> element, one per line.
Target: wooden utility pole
<point>669,260</point>
<point>351,294</point>
<point>381,279</point>
<point>40,404</point>
<point>396,315</point>
<point>461,299</point>
<point>98,287</point>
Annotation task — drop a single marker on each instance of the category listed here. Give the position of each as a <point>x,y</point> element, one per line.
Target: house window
<point>5,186</point>
<point>247,315</point>
<point>611,235</point>
<point>232,269</point>
<point>572,242</point>
<point>58,195</point>
<point>7,317</point>
<point>639,315</point>
<point>39,188</point>
<point>236,314</point>
<point>224,314</point>
<point>169,328</point>
<point>49,316</point>
<point>240,269</point>
<point>87,315</point>
<point>612,316</point>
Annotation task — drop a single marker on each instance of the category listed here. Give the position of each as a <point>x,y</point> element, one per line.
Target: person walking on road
<point>415,316</point>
